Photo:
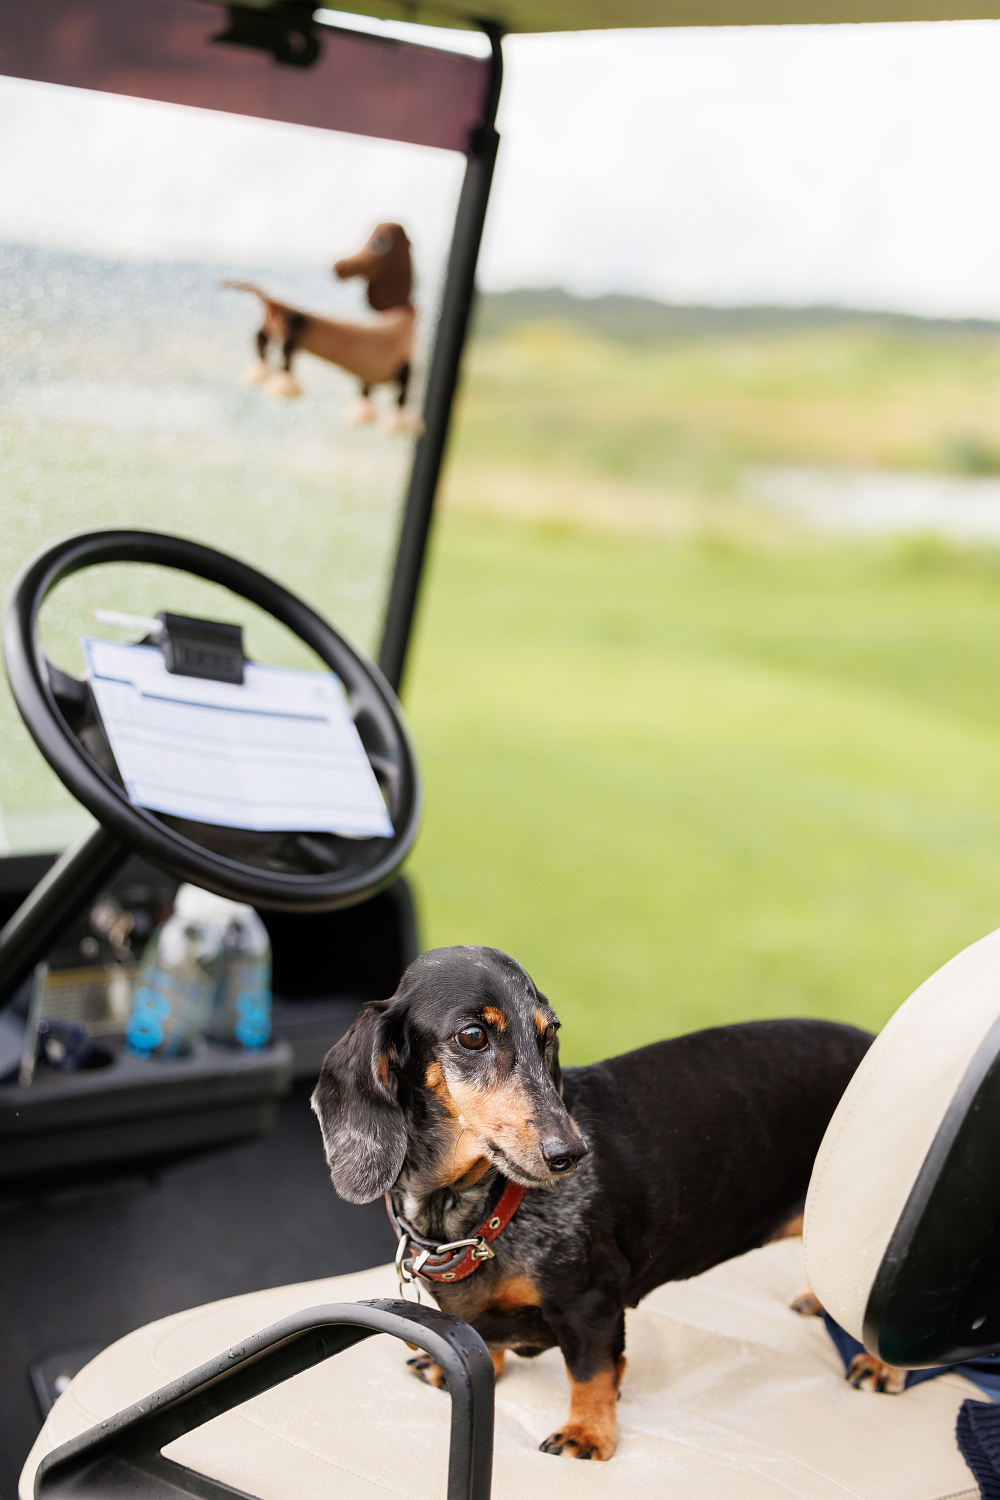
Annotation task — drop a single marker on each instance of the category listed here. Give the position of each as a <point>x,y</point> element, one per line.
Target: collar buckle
<point>406,1275</point>
<point>419,1259</point>
<point>478,1246</point>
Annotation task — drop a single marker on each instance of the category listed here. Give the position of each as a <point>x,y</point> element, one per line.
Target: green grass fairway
<point>687,784</point>
<point>691,414</point>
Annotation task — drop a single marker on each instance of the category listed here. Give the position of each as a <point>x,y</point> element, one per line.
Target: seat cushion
<point>886,1123</point>
<point>729,1396</point>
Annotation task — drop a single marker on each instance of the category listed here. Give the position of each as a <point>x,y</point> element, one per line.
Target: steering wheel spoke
<point>320,850</point>
<point>71,694</point>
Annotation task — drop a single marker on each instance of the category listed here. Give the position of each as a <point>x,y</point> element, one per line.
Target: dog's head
<point>385,264</point>
<point>457,1072</point>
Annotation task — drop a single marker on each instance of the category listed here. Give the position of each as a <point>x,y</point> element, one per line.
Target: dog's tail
<point>246,286</point>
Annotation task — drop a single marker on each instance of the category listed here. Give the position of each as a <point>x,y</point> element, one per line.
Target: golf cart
<point>147,1204</point>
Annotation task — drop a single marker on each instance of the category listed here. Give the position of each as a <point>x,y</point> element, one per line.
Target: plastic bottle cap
<point>205,908</point>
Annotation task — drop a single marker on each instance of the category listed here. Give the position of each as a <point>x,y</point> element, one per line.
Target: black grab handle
<point>122,1456</point>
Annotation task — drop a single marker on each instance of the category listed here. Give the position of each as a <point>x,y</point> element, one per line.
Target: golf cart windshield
<point>133,393</point>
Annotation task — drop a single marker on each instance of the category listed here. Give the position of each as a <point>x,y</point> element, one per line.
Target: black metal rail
<point>442,379</point>
<point>123,1455</point>
<point>55,904</point>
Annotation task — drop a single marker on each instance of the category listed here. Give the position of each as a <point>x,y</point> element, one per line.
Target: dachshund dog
<point>378,353</point>
<point>571,1193</point>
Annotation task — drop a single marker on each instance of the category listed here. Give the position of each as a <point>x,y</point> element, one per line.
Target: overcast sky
<point>853,164</point>
<point>849,163</point>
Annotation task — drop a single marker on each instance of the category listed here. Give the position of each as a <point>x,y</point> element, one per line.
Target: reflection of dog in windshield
<point>378,353</point>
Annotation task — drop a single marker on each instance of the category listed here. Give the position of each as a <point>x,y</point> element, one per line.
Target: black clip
<point>285,29</point>
<point>202,648</point>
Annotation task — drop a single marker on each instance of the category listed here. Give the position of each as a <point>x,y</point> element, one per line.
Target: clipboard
<point>277,752</point>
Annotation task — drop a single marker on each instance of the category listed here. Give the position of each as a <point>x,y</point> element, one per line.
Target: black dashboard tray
<point>138,1112</point>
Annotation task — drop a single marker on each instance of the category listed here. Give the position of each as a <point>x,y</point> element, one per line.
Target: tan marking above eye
<point>494,1017</point>
<point>382,1068</point>
<point>542,1023</point>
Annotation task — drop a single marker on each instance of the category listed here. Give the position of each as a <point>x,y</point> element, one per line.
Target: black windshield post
<point>442,379</point>
<point>47,915</point>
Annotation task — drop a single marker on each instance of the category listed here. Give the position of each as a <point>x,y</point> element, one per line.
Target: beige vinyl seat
<point>728,1393</point>
<point>903,1209</point>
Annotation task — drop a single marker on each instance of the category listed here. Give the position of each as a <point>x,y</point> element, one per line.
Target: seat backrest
<point>902,1223</point>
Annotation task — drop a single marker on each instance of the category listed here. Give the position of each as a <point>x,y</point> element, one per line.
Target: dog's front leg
<point>592,1428</point>
<point>258,373</point>
<point>595,1364</point>
<point>430,1372</point>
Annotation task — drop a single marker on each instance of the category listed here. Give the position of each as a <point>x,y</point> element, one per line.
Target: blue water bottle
<point>178,979</point>
<point>241,1014</point>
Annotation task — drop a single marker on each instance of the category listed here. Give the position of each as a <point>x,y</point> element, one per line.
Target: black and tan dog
<point>378,353</point>
<point>575,1192</point>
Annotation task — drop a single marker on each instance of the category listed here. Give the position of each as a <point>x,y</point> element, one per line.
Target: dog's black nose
<point>561,1153</point>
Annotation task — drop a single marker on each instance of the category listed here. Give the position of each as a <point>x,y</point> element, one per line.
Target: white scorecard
<point>278,752</point>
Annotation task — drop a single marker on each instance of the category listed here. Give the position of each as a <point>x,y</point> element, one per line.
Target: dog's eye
<point>472,1037</point>
<point>550,1034</point>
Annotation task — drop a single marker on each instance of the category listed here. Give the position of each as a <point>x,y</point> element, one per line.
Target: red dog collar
<point>417,1256</point>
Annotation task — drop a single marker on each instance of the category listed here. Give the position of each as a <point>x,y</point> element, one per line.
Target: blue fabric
<point>984,1372</point>
<point>978,1426</point>
<point>978,1433</point>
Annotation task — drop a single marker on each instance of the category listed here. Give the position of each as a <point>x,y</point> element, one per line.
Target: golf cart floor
<point>80,1270</point>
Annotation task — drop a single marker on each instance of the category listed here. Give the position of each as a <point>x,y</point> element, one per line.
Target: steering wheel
<point>287,871</point>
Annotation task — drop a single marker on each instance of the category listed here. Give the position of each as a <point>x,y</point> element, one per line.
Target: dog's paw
<point>257,374</point>
<point>577,1441</point>
<point>866,1373</point>
<point>806,1303</point>
<point>405,421</point>
<point>282,385</point>
<point>429,1371</point>
<point>361,412</point>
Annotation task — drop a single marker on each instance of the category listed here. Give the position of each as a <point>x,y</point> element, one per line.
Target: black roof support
<point>456,305</point>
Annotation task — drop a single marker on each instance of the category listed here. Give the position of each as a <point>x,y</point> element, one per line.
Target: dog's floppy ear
<point>364,1132</point>
<point>390,279</point>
